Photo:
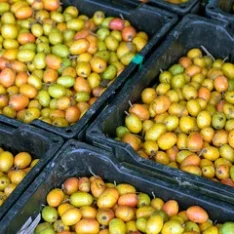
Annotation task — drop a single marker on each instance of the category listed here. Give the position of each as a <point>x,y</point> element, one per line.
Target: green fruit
<point>117,226</point>
<point>42,226</point>
<point>218,120</point>
<point>141,224</point>
<point>4,181</point>
<point>55,37</point>
<point>98,17</point>
<point>65,63</point>
<point>106,22</point>
<point>178,81</point>
<point>9,31</point>
<point>229,96</point>
<point>60,50</point>
<point>10,44</point>
<point>37,30</point>
<point>121,131</point>
<point>39,61</point>
<point>25,55</point>
<point>172,226</point>
<point>8,18</point>
<point>228,70</point>
<point>104,54</point>
<point>57,16</point>
<point>4,7</point>
<point>56,91</point>
<point>75,24</point>
<point>232,173</point>
<point>127,58</point>
<point>117,34</point>
<point>124,48</point>
<point>133,123</point>
<point>43,47</point>
<point>155,132</point>
<point>82,96</point>
<point>28,46</point>
<point>103,33</point>
<point>66,81</point>
<point>101,45</point>
<point>41,39</point>
<point>67,17</point>
<point>68,35</point>
<point>111,43</point>
<point>165,77</point>
<point>176,69</point>
<point>94,80</point>
<point>113,58</point>
<point>154,224</point>
<point>53,104</point>
<point>230,85</point>
<point>26,23</point>
<point>72,10</point>
<point>110,73</point>
<point>80,199</point>
<point>191,226</point>
<point>49,214</point>
<point>48,231</point>
<point>143,200</point>
<point>44,98</point>
<point>59,226</point>
<point>162,214</point>
<point>227,228</point>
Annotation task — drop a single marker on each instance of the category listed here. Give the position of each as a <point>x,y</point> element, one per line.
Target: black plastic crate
<point>84,160</point>
<point>193,31</point>
<point>221,10</point>
<point>40,144</point>
<point>161,23</point>
<point>192,6</point>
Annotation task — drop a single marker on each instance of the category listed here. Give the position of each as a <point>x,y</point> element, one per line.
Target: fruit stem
<point>102,227</point>
<point>225,59</point>
<point>130,103</point>
<point>90,170</point>
<point>93,34</point>
<point>72,56</point>
<point>66,200</point>
<point>207,52</point>
<point>201,152</point>
<point>161,70</point>
<point>153,195</point>
<point>126,113</point>
<point>121,16</point>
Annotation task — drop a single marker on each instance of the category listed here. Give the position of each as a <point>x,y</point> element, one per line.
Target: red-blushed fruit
<point>128,199</point>
<point>71,185</point>
<point>116,24</point>
<point>84,184</point>
<point>89,226</point>
<point>51,5</point>
<point>197,214</point>
<point>128,33</point>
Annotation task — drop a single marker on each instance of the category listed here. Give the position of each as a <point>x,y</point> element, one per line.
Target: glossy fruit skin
<point>41,35</point>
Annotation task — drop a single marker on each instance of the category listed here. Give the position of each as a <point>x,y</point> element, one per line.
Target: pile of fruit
<point>187,120</point>
<point>13,169</point>
<point>89,205</point>
<point>170,1</point>
<point>55,63</point>
<point>176,1</point>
